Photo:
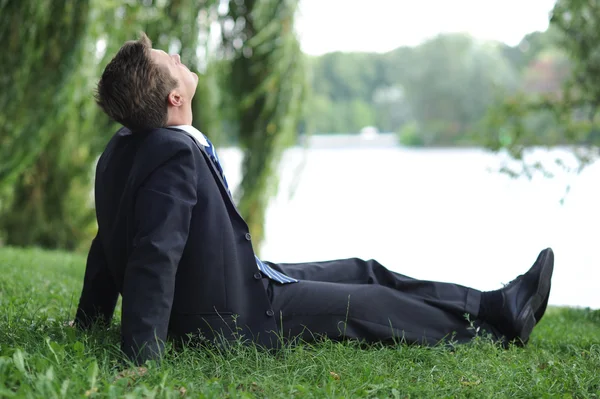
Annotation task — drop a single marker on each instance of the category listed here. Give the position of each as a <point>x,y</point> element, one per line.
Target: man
<point>172,243</point>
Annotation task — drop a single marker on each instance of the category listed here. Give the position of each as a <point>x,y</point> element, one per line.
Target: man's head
<point>144,88</point>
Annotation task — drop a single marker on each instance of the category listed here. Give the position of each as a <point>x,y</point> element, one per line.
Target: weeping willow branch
<point>35,69</point>
<point>268,82</point>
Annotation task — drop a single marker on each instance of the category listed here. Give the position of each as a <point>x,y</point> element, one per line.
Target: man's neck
<point>180,118</point>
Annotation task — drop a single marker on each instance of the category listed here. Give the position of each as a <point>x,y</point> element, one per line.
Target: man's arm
<point>162,215</point>
<point>99,294</point>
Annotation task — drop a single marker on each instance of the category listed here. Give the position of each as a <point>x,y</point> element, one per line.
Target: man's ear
<point>175,99</point>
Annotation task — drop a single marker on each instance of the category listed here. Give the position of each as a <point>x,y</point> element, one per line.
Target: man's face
<point>187,80</point>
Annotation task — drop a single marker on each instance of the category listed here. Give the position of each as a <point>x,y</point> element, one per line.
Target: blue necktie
<point>263,267</point>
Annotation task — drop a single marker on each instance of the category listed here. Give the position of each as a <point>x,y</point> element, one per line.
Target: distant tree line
<point>436,93</point>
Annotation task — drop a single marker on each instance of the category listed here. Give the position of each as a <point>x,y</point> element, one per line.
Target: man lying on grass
<point>172,243</point>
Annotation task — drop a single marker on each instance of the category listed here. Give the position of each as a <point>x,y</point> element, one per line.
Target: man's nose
<point>177,57</point>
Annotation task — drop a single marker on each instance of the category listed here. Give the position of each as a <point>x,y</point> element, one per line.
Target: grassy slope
<point>39,357</point>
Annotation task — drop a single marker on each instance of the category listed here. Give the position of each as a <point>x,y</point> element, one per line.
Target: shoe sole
<point>539,313</point>
<point>527,318</point>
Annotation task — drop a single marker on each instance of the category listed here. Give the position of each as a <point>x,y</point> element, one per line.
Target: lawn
<point>41,357</point>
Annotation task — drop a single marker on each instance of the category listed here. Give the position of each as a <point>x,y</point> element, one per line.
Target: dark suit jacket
<point>172,243</point>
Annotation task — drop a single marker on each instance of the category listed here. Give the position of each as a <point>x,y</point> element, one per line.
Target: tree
<point>41,83</point>
<point>391,108</point>
<point>439,89</point>
<point>35,77</point>
<point>568,102</point>
<point>529,48</point>
<point>457,78</point>
<point>267,83</point>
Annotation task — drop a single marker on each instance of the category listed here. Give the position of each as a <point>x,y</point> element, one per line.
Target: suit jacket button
<point>248,236</point>
<point>257,275</point>
<point>270,313</point>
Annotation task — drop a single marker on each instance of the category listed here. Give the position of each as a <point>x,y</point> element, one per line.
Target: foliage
<point>41,156</point>
<point>35,77</point>
<point>551,115</point>
<point>458,79</point>
<point>41,357</point>
<point>443,85</point>
<point>266,83</point>
<point>460,91</point>
<point>351,91</point>
<point>409,136</point>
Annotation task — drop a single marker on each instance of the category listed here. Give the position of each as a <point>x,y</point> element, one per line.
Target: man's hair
<point>133,89</point>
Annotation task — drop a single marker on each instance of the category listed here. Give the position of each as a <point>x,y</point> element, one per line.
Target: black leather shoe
<point>547,253</point>
<point>525,299</point>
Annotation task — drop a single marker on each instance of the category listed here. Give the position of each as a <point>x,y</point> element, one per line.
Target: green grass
<point>40,357</point>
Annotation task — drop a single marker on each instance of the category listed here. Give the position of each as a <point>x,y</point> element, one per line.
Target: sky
<point>383,25</point>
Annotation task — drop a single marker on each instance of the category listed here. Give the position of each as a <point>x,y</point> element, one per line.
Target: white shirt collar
<point>195,133</point>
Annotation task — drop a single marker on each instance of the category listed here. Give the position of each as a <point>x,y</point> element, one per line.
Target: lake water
<point>436,214</point>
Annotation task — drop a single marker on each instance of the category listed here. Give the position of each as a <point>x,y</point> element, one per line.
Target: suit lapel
<point>216,174</point>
